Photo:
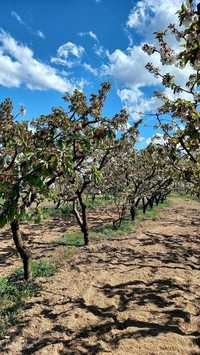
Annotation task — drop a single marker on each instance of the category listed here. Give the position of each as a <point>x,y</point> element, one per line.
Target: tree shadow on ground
<point>162,299</point>
<point>113,323</point>
<point>111,328</point>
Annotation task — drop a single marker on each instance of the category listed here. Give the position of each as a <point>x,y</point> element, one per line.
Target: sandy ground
<point>40,238</point>
<point>138,294</point>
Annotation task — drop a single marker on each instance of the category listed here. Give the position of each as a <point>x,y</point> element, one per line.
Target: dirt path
<point>136,295</point>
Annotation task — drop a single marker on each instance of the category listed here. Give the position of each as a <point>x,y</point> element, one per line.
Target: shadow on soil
<point>166,298</point>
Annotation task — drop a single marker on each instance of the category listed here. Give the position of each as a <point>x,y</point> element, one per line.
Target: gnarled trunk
<point>22,250</point>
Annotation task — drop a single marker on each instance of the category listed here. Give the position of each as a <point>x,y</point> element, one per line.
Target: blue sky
<point>48,47</point>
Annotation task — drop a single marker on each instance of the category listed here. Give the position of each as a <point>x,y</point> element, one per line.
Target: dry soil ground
<point>138,294</point>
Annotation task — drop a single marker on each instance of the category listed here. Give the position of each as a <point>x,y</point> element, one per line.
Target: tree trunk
<point>137,202</point>
<point>22,250</point>
<point>117,223</point>
<point>85,232</point>
<point>157,199</point>
<point>83,223</point>
<point>144,206</point>
<point>132,212</point>
<point>84,227</point>
<point>151,201</point>
<point>162,199</point>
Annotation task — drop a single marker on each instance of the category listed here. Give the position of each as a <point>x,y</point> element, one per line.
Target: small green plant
<point>43,268</point>
<point>75,239</point>
<point>107,231</point>
<point>71,239</point>
<point>13,292</point>
<point>53,212</point>
<point>40,268</point>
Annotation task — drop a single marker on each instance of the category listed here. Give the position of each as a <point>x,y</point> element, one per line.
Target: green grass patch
<point>62,211</point>
<point>151,212</point>
<point>43,268</point>
<point>16,289</point>
<point>107,231</point>
<point>183,196</point>
<point>13,292</point>
<point>40,268</point>
<point>73,239</point>
<point>45,213</point>
<point>127,226</point>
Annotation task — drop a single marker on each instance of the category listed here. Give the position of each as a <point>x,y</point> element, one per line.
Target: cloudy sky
<point>48,47</point>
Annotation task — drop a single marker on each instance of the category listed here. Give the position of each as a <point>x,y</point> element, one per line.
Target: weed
<point>107,231</point>
<point>13,292</point>
<point>40,268</point>
<point>74,238</point>
<point>43,268</point>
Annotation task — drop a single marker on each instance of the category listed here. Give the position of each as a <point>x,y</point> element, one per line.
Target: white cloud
<point>68,49</point>
<point>17,17</point>
<point>40,34</point>
<point>99,51</point>
<point>140,139</point>
<point>81,84</point>
<point>19,67</point>
<point>127,67</point>
<point>130,96</point>
<point>90,69</point>
<point>137,103</point>
<point>68,54</point>
<point>90,34</point>
<point>64,62</point>
<point>148,16</point>
<point>158,138</point>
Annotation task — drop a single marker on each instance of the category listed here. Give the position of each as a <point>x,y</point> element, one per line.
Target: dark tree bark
<point>144,205</point>
<point>157,199</point>
<point>163,198</point>
<point>133,212</point>
<point>137,202</point>
<point>117,223</point>
<point>82,220</point>
<point>22,250</point>
<point>151,201</point>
